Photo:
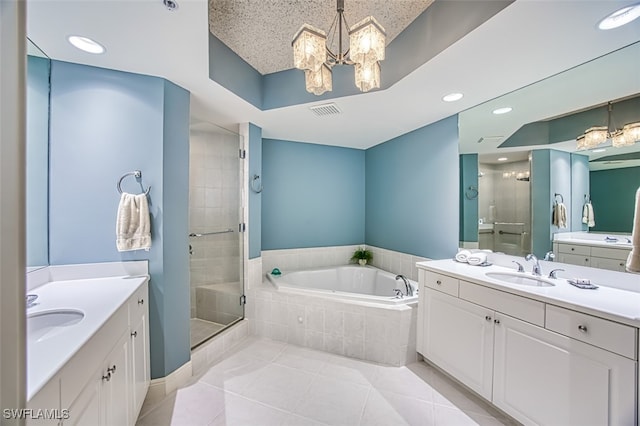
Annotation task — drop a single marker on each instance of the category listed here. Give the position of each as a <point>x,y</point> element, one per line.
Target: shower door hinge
<point>243,154</point>
<point>242,227</point>
<point>243,300</point>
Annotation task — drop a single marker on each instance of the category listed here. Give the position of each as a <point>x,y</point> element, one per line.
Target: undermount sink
<point>520,279</point>
<point>45,325</point>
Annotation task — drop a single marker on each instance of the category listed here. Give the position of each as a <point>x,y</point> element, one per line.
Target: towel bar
<point>137,174</point>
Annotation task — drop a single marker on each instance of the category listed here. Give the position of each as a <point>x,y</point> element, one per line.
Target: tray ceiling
<point>260,31</point>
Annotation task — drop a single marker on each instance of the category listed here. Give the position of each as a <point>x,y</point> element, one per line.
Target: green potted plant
<point>362,256</point>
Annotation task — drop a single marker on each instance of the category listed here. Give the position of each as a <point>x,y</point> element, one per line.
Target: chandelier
<point>594,136</point>
<point>366,49</point>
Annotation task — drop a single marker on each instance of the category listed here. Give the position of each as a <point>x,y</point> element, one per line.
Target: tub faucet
<point>549,256</point>
<point>536,265</point>
<point>406,284</point>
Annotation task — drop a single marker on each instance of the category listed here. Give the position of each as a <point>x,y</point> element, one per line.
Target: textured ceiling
<point>260,31</point>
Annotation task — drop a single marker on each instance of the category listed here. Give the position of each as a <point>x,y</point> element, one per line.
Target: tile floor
<point>201,330</point>
<point>264,382</point>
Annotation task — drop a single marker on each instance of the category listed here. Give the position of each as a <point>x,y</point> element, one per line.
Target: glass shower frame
<point>216,230</point>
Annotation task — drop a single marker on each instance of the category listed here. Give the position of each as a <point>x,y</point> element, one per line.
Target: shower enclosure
<point>504,206</point>
<point>215,232</point>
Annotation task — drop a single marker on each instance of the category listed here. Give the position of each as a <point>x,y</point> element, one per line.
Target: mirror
<point>37,157</point>
<point>612,77</point>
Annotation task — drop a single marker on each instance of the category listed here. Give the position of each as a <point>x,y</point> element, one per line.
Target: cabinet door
<point>140,373</point>
<point>458,337</point>
<point>610,264</point>
<point>544,378</point>
<point>117,390</point>
<point>574,259</point>
<point>87,409</point>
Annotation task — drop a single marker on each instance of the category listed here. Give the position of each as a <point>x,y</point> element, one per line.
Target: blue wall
<point>468,197</point>
<point>37,151</point>
<point>613,194</point>
<point>313,195</point>
<point>105,123</point>
<point>579,188</point>
<point>412,186</point>
<point>255,199</point>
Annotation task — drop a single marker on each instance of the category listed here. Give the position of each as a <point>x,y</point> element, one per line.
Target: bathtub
<point>357,283</point>
<point>347,310</point>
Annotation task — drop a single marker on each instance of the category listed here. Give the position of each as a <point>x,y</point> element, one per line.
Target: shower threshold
<point>203,330</point>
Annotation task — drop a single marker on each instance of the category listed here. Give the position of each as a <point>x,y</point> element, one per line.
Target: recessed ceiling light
<point>86,44</point>
<point>599,150</point>
<point>452,97</point>
<point>502,110</point>
<point>620,17</point>
<point>502,159</point>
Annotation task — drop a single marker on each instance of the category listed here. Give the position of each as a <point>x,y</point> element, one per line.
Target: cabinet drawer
<point>610,264</point>
<point>442,283</point>
<point>574,249</point>
<point>610,253</point>
<point>516,306</point>
<point>609,335</point>
<point>574,259</point>
<point>138,303</point>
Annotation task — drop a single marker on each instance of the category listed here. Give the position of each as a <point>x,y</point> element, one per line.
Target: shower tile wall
<point>213,206</point>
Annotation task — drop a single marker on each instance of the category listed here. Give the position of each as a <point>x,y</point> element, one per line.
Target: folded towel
<point>463,255</point>
<point>587,215</point>
<point>477,258</point>
<point>633,260</point>
<point>560,215</point>
<point>133,224</point>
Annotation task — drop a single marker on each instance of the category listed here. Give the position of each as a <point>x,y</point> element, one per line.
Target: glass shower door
<point>216,241</point>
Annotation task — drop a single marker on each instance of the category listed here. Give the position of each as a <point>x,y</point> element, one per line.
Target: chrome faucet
<point>536,266</point>
<point>549,256</point>
<point>31,300</point>
<point>406,284</point>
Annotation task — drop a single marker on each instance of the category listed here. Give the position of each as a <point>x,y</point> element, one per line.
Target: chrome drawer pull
<point>438,282</point>
<point>496,321</point>
<point>488,318</point>
<point>134,334</point>
<point>582,328</point>
<point>140,301</point>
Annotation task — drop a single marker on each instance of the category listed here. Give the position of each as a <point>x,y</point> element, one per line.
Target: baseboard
<point>163,386</point>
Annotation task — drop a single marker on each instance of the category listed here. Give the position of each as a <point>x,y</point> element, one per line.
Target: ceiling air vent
<point>325,109</point>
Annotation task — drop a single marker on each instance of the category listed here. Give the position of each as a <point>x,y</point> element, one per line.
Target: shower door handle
<point>190,249</point>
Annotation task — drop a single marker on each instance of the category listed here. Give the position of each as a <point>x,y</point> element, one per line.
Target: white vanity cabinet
<point>106,380</point>
<point>595,256</point>
<point>542,364</point>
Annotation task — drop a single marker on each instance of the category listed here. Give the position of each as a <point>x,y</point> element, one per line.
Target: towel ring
<point>137,174</point>
<point>254,179</point>
<point>556,195</point>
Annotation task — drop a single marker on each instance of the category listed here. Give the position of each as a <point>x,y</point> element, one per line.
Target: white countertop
<point>97,298</point>
<point>606,302</point>
<point>593,239</point>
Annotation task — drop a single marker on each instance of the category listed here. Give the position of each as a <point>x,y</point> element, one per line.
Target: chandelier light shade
<point>632,132</point>
<point>366,49</point>
<point>318,82</point>
<point>309,48</point>
<point>595,136</point>
<point>367,76</point>
<point>367,41</point>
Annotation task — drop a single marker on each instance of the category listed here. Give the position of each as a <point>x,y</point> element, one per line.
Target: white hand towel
<point>560,215</point>
<point>633,260</point>
<point>588,217</point>
<point>477,258</point>
<point>463,255</point>
<point>133,224</point>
